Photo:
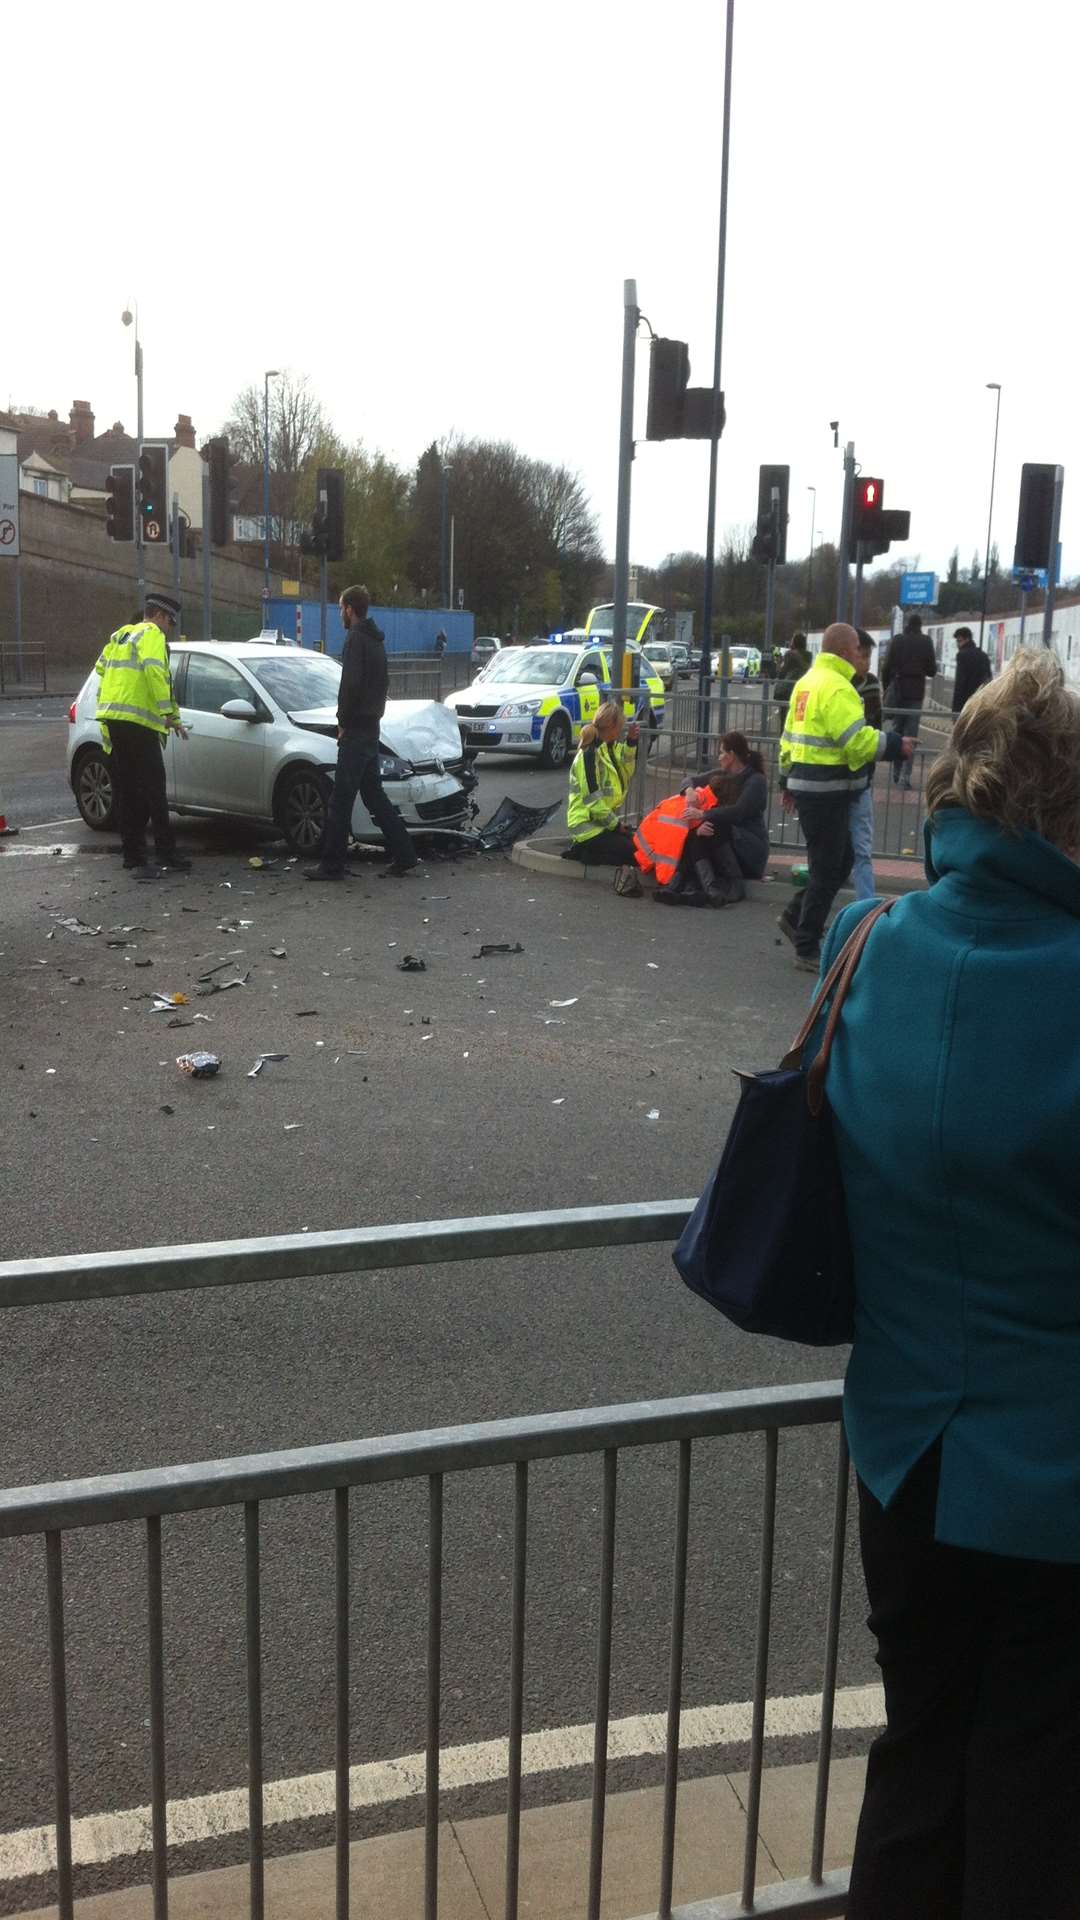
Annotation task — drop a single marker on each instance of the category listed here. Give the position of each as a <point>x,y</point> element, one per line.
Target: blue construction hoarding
<point>407,629</point>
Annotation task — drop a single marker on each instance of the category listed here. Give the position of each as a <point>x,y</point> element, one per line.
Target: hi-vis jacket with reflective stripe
<point>661,837</point>
<point>826,742</point>
<point>135,680</point>
<point>599,779</point>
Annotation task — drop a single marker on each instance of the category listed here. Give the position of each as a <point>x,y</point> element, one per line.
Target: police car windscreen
<point>532,666</point>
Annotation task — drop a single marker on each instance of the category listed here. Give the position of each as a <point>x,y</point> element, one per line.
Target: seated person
<point>600,778</point>
<point>728,843</point>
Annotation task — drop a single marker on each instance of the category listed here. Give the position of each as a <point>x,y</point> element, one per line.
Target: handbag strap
<point>839,978</point>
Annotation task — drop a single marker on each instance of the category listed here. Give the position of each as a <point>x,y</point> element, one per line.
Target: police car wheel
<point>556,749</point>
<point>300,805</point>
<point>93,790</point>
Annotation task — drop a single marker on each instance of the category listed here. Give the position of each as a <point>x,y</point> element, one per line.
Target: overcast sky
<point>431,212</point>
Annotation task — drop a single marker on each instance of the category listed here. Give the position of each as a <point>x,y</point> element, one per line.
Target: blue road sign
<point>918,589</point>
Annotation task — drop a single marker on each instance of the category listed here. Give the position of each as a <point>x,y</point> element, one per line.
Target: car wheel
<point>300,806</point>
<point>93,789</point>
<point>557,741</point>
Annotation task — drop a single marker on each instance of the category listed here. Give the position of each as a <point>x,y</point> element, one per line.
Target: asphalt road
<point>503,1101</point>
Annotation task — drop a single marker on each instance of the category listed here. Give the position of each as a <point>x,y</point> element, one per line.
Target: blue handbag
<point>776,1258</point>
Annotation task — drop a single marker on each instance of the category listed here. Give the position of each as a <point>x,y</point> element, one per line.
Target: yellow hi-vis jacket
<point>136,684</point>
<point>599,779</point>
<point>826,744</point>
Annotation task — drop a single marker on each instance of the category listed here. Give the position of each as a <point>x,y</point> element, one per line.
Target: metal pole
<point>843,580</point>
<point>176,542</point>
<point>770,573</point>
<point>206,558</point>
<point>714,442</point>
<point>810,567</point>
<point>1023,614</point>
<point>856,613</point>
<point>18,617</point>
<point>140,555</point>
<point>990,515</point>
<point>1051,558</point>
<point>322,603</point>
<point>626,461</point>
<point>450,600</point>
<point>266,486</point>
<point>443,582</point>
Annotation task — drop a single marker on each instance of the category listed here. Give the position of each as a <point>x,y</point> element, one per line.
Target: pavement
<point>485,1084</point>
<point>386,1874</point>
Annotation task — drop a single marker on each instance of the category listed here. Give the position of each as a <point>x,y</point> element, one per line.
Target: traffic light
<point>330,490</point>
<point>1034,522</point>
<point>866,510</point>
<point>770,540</point>
<point>120,503</point>
<point>669,372</point>
<point>154,495</point>
<point>220,502</point>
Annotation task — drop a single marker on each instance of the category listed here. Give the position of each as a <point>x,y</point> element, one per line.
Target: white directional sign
<point>9,505</point>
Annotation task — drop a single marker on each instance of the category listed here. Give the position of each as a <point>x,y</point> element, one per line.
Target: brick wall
<point>77,585</point>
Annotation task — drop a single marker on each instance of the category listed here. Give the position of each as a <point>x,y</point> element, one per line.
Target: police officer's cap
<point>165,602</point>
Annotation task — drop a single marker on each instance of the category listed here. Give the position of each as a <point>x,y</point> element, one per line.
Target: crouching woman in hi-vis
<point>600,777</point>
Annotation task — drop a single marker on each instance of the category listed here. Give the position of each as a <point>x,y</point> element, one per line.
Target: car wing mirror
<point>238,710</point>
<point>587,680</point>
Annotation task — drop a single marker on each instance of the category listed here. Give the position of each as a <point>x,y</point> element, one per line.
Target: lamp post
<point>128,317</point>
<point>271,374</point>
<point>992,386</point>
<point>810,567</point>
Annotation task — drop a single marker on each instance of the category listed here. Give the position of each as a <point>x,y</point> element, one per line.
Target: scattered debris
<point>218,967</point>
<point>185,1023</point>
<point>292,1125</point>
<point>201,1066</point>
<point>498,946</point>
<point>653,1113</point>
<point>76,980</point>
<point>50,1069</point>
<point>411,964</point>
<point>261,1062</point>
<point>234,925</point>
<point>166,1109</point>
<point>143,963</point>
<point>163,1001</point>
<point>564,1003</point>
<point>279,953</point>
<point>654,964</point>
<point>73,924</point>
<point>187,910</point>
<point>121,943</point>
<point>559,1103</point>
<point>308,1013</point>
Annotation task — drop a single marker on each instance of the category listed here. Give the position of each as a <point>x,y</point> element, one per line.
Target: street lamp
<point>992,386</point>
<point>130,318</point>
<point>810,568</point>
<point>271,374</point>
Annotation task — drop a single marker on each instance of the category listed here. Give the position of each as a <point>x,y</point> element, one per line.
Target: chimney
<point>184,431</point>
<point>82,421</point>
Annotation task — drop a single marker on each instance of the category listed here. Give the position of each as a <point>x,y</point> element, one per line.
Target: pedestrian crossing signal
<point>869,496</point>
<point>153,494</point>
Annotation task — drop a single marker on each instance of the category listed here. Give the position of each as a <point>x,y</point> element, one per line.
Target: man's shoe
<point>398,869</point>
<point>322,873</point>
<point>787,927</point>
<point>174,862</point>
<point>809,962</point>
<point>145,872</point>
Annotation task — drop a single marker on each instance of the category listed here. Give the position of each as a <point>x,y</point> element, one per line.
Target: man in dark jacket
<point>791,668</point>
<point>909,663</point>
<point>973,669</point>
<point>365,680</point>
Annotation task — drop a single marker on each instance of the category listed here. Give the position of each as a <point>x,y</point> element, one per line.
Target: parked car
<point>263,744</point>
<point>536,700</point>
<point>662,658</point>
<point>681,657</point>
<point>745,662</point>
<point>484,650</point>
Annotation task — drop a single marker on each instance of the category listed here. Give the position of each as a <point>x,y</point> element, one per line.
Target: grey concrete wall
<point>77,585</point>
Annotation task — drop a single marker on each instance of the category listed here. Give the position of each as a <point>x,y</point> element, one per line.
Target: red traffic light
<point>869,490</point>
<point>866,518</point>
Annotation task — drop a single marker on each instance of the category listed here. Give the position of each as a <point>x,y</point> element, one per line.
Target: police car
<point>537,699</point>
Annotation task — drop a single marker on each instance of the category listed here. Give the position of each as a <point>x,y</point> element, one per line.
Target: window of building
<point>41,487</point>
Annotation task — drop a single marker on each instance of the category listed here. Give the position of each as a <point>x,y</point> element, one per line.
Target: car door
<point>220,765</point>
<point>590,697</point>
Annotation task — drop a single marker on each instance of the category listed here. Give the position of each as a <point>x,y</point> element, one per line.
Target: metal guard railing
<point>151,1496</point>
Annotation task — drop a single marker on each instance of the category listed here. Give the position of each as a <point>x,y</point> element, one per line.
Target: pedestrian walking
<point>909,663</point>
<point>973,669</point>
<point>136,711</point>
<point>365,680</point>
<point>793,665</point>
<point>868,688</point>
<point>825,750</point>
<point>956,1134</point>
<point>600,776</point>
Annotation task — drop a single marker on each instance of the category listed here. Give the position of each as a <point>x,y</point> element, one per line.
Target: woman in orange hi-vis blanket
<point>706,842</point>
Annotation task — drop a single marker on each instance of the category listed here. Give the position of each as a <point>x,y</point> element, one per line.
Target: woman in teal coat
<point>955,1086</point>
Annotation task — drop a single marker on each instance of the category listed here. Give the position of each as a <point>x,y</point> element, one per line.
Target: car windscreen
<point>531,666</point>
<point>296,681</point>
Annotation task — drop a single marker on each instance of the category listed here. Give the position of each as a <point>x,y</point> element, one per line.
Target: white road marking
<point>42,826</point>
<point>101,1837</point>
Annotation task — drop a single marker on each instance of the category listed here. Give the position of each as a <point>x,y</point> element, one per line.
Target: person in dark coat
<point>954,1087</point>
<point>909,663</point>
<point>365,681</point>
<point>729,844</point>
<point>973,669</point>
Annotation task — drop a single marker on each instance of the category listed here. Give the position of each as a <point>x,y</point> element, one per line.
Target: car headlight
<point>391,768</point>
<point>518,709</point>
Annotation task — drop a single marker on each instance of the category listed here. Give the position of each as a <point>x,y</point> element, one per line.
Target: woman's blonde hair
<point>1014,757</point>
<point>609,713</point>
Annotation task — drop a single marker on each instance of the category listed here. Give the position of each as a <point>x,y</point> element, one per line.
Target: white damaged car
<point>262,746</point>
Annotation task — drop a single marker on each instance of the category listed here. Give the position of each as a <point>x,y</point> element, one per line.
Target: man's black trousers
<point>825,819</point>
<point>358,773</point>
<point>972,1799</point>
<point>137,766</point>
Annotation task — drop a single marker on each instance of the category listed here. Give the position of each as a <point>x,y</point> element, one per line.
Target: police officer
<point>825,749</point>
<point>135,711</point>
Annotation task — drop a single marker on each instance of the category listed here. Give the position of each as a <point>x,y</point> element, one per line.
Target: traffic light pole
<point>207,595</point>
<point>322,603</point>
<point>843,578</point>
<point>770,575</point>
<point>1051,558</point>
<point>714,438</point>
<point>140,557</point>
<point>856,611</point>
<point>621,593</point>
